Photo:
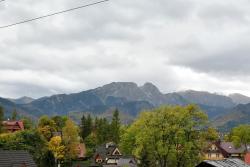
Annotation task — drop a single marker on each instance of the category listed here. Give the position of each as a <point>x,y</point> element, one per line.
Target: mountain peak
<point>239,98</point>
<point>150,88</point>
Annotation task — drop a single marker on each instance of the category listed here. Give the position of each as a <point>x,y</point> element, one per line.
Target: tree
<point>56,147</point>
<point>46,127</point>
<point>70,140</point>
<point>1,119</point>
<point>115,127</point>
<point>241,136</point>
<point>211,134</point>
<point>86,126</point>
<point>103,131</point>
<point>30,140</point>
<point>27,122</point>
<point>47,160</point>
<point>59,122</point>
<point>90,143</point>
<point>166,136</point>
<point>14,115</point>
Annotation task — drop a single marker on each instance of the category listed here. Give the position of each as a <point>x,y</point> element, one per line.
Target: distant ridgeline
<point>131,99</point>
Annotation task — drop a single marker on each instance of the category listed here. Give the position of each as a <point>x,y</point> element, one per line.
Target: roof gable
<point>116,152</point>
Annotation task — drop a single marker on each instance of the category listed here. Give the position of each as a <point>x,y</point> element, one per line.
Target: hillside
<point>238,115</point>
<point>206,98</point>
<point>128,97</point>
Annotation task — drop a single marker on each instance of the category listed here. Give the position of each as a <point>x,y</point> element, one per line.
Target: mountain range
<point>130,99</point>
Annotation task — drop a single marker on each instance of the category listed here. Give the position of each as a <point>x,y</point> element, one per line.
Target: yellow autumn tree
<point>57,148</point>
<point>71,140</point>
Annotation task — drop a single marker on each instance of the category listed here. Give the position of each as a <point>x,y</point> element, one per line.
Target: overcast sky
<point>175,44</point>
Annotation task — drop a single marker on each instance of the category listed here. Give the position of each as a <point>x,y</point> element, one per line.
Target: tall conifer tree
<point>115,127</point>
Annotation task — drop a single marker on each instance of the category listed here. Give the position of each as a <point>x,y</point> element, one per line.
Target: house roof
<point>231,149</point>
<point>127,162</point>
<point>16,159</point>
<point>106,151</point>
<point>223,163</point>
<point>14,125</point>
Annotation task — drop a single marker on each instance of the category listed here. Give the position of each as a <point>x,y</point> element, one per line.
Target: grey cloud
<point>229,59</point>
<point>223,13</point>
<point>122,40</point>
<point>116,20</point>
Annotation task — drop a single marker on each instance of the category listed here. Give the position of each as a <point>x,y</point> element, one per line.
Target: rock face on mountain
<point>128,97</point>
<point>238,115</point>
<point>131,92</point>
<point>239,98</point>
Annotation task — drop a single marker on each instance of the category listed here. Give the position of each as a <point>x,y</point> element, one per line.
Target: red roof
<point>13,125</point>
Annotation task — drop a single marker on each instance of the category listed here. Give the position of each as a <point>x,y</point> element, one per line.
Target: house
<point>213,152</point>
<point>16,159</point>
<point>13,126</point>
<point>223,163</point>
<point>109,155</point>
<point>221,150</point>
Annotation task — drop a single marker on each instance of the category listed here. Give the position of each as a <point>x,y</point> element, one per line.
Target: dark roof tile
<point>11,158</point>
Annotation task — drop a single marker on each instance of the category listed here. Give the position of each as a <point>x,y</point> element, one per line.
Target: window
<point>99,161</point>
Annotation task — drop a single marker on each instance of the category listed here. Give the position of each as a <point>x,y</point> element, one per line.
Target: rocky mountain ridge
<point>128,97</point>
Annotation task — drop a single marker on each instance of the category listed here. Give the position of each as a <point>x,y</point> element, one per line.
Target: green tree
<point>28,123</point>
<point>1,119</point>
<point>115,127</point>
<point>30,140</point>
<point>70,140</point>
<point>90,143</point>
<point>46,127</point>
<point>47,160</point>
<point>59,122</point>
<point>241,136</point>
<point>86,126</point>
<point>103,131</point>
<point>211,134</point>
<point>14,115</point>
<point>172,136</point>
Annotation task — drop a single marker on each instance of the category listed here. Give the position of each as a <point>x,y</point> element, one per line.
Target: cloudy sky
<point>175,44</point>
